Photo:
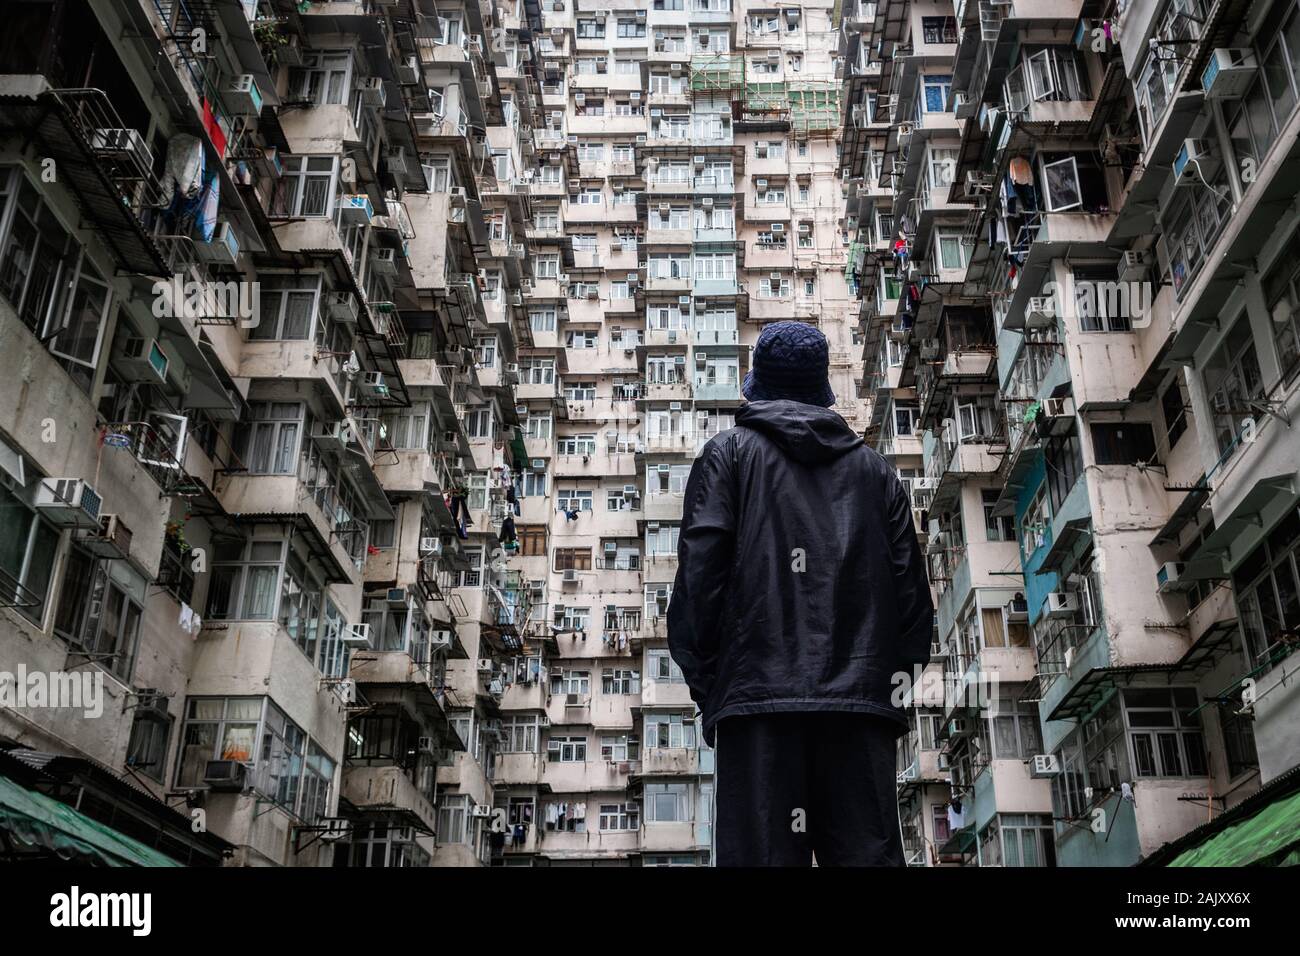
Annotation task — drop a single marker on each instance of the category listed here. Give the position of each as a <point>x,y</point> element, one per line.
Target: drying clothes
<point>1022,174</point>
<point>956,816</point>
<point>183,173</point>
<point>512,499</point>
<point>518,835</point>
<point>497,838</point>
<point>508,535</point>
<point>209,204</point>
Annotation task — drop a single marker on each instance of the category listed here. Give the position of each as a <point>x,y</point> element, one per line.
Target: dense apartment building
<point>245,313</point>
<point>685,194</point>
<point>1075,248</point>
<point>355,355</point>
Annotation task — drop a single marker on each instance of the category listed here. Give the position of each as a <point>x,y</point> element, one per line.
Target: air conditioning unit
<point>68,502</point>
<point>480,811</point>
<point>440,640</point>
<point>1061,604</point>
<point>1056,416</point>
<point>372,90</point>
<point>408,72</point>
<point>397,162</point>
<point>485,665</point>
<point>1044,765</point>
<point>113,540</point>
<point>222,248</point>
<point>1134,267</point>
<point>570,576</point>
<point>960,727</point>
<point>396,597</point>
<point>426,745</point>
<point>243,98</point>
<point>342,306</point>
<point>1018,608</point>
<point>1196,162</point>
<point>1229,73</point>
<point>225,776</point>
<point>355,635</point>
<point>122,144</point>
<point>1167,578</point>
<point>142,360</point>
<point>538,464</point>
<point>372,383</point>
<point>778,227</point>
<point>1040,313</point>
<point>760,185</point>
<point>573,700</point>
<point>706,202</point>
<point>431,547</point>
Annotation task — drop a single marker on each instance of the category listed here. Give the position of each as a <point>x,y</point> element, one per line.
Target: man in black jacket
<point>800,595</point>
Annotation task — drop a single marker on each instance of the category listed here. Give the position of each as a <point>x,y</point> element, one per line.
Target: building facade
<point>1073,252</point>
<point>356,354</point>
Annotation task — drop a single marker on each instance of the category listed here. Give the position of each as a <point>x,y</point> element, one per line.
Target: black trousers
<point>793,785</point>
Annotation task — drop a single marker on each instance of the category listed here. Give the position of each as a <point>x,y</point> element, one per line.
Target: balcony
<point>670,762</point>
<point>717,391</point>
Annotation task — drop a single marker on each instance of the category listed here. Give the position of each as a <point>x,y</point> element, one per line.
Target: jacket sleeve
<point>705,546</point>
<point>911,583</point>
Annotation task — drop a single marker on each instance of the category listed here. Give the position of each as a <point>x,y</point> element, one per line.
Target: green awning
<point>1269,837</point>
<point>34,819</point>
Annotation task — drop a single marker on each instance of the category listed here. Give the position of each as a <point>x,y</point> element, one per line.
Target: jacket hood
<point>807,433</point>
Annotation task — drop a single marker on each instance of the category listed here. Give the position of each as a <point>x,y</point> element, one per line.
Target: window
<point>622,747</point>
<point>1233,381</point>
<point>478,422</point>
<point>306,187</point>
<point>665,803</point>
<point>1026,839</point>
<point>381,845</point>
<point>267,444</point>
<point>573,559</point>
<point>287,767</point>
<point>1126,443</point>
<point>520,734</point>
<point>671,731</point>
<point>951,250</point>
<point>663,669</point>
<point>661,540</point>
<point>532,540</point>
<point>542,320</point>
<point>285,313</point>
<point>567,749</point>
<point>44,274</point>
<point>939,29</point>
<point>1164,732</point>
<point>996,528</point>
<point>620,816</point>
<point>1267,587</point>
<point>100,610</point>
<point>937,91</point>
<point>453,819</point>
<point>27,547</point>
<point>245,579</point>
<point>1064,458</point>
<point>620,681</point>
<point>1101,304</point>
<point>146,751</point>
<point>323,79</point>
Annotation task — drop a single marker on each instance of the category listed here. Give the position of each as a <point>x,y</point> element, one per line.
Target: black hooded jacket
<point>800,584</point>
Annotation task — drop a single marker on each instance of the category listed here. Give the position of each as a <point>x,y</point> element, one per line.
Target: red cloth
<point>214,128</point>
